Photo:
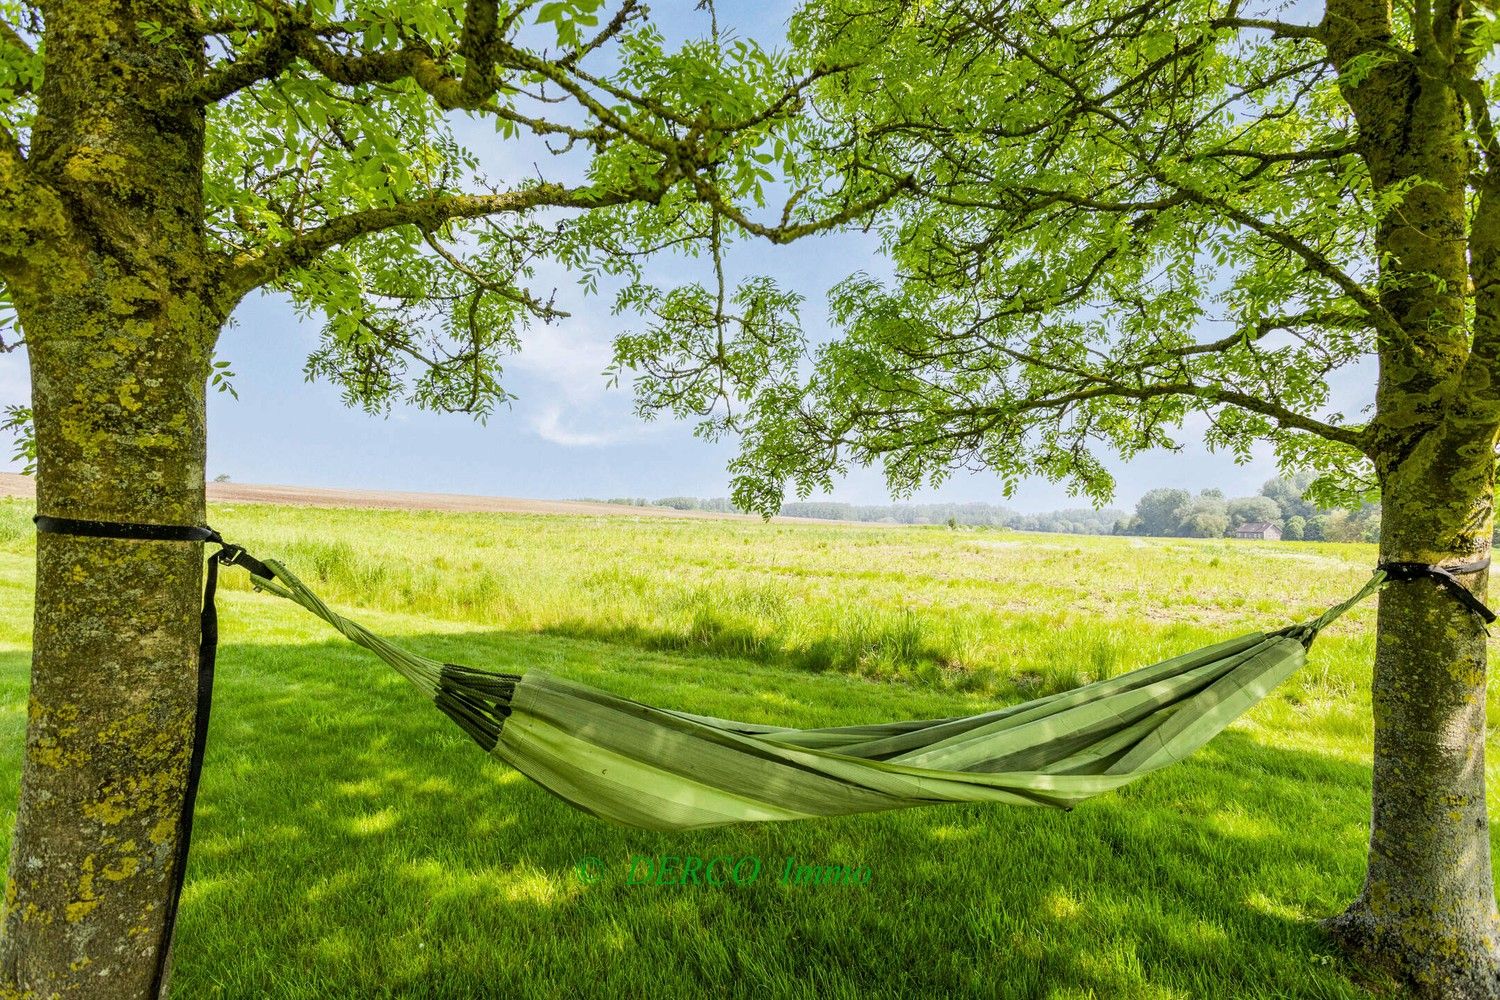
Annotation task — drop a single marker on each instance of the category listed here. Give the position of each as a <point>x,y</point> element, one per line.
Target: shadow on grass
<point>893,644</point>
<point>889,645</point>
<point>352,842</point>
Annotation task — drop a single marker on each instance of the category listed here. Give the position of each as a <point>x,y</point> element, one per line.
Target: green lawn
<point>351,842</point>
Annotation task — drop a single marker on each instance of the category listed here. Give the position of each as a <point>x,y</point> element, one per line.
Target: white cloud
<point>568,393</point>
<point>550,427</point>
<point>570,357</point>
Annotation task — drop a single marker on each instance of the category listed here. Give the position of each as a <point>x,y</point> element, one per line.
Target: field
<point>351,842</point>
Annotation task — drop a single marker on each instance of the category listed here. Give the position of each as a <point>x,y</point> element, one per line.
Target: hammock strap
<point>208,642</point>
<point>1445,576</point>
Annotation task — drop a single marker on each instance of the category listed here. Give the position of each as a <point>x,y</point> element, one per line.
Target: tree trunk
<point>1427,911</point>
<point>120,435</point>
<point>120,321</point>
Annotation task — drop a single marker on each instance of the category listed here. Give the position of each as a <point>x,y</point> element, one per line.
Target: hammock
<point>661,769</point>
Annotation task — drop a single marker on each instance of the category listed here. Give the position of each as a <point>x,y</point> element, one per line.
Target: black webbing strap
<point>208,644</point>
<point>1447,576</point>
<point>128,530</point>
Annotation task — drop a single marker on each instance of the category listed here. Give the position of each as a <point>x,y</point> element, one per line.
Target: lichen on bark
<point>112,288</point>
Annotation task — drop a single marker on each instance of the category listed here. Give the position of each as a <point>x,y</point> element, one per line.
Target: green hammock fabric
<point>667,770</point>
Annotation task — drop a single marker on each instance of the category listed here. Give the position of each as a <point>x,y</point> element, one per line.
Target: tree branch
<point>1315,261</point>
<point>784,232</point>
<point>11,36</point>
<point>1280,29</point>
<point>294,36</point>
<point>1480,381</point>
<point>30,210</point>
<point>1269,325</point>
<point>1288,419</point>
<point>1292,156</point>
<point>250,271</point>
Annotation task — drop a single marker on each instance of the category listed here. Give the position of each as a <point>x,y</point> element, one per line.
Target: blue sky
<point>568,435</point>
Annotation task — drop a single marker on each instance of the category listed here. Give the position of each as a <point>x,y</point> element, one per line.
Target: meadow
<point>351,842</point>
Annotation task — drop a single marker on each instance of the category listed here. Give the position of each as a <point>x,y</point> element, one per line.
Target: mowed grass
<point>351,842</point>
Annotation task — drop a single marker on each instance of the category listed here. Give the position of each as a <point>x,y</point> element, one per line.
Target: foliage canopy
<point>1125,220</point>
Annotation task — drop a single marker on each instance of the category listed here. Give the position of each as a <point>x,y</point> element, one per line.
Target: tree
<point>1157,512</point>
<point>1296,528</point>
<point>1132,213</point>
<point>1245,509</point>
<point>1289,492</point>
<point>162,159</point>
<point>1362,525</point>
<point>1205,517</point>
<point>1340,527</point>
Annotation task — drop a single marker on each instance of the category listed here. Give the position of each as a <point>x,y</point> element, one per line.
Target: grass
<point>351,842</point>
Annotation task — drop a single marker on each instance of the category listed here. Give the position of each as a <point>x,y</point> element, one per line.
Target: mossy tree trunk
<point>1427,910</point>
<point>120,325</point>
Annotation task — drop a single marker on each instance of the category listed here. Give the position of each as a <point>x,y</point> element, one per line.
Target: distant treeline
<point>1077,521</point>
<point>1177,513</point>
<point>1161,513</point>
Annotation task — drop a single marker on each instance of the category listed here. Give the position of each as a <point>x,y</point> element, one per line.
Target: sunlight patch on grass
<point>1062,906</point>
<point>1280,909</point>
<point>369,824</point>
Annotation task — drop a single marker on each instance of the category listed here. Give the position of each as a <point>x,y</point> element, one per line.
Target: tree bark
<point>120,319</point>
<point>120,434</point>
<point>1427,910</point>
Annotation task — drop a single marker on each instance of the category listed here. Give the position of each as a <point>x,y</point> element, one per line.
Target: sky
<point>568,435</point>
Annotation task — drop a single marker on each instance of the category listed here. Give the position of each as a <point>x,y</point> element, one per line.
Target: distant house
<point>1263,530</point>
